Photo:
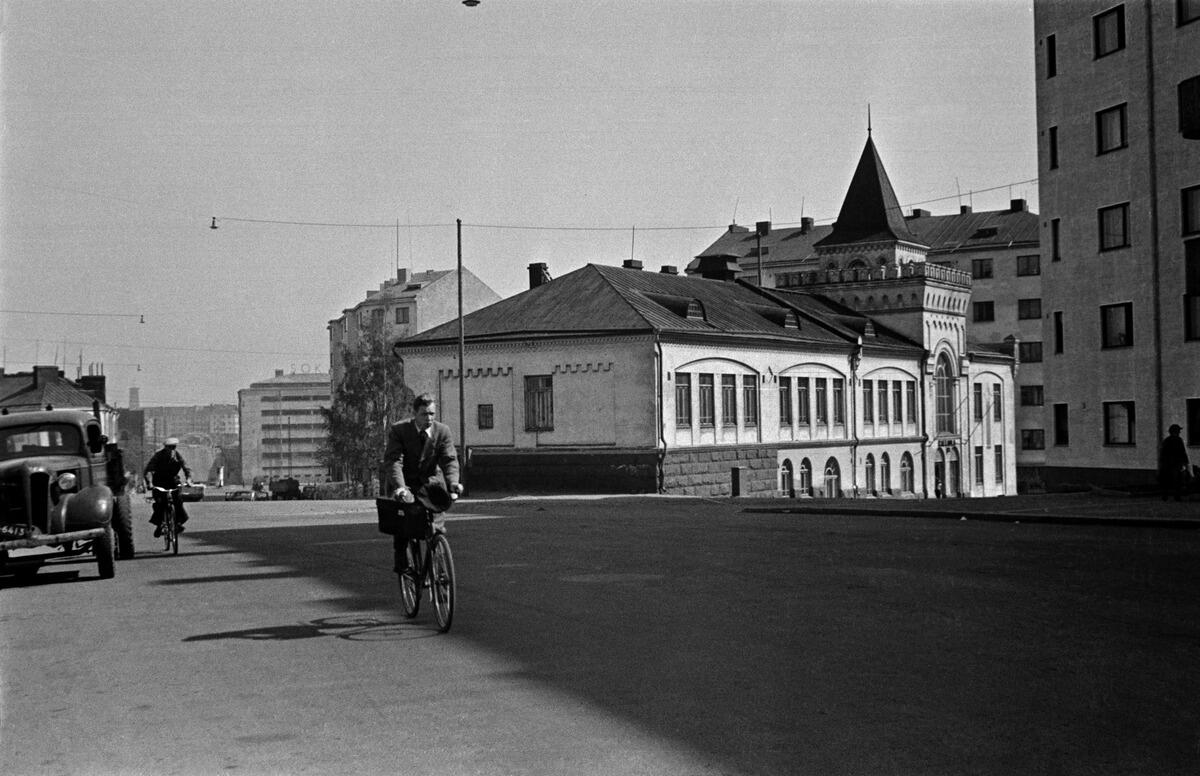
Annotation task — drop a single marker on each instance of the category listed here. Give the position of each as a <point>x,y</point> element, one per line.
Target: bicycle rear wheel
<point>410,579</point>
<point>441,581</point>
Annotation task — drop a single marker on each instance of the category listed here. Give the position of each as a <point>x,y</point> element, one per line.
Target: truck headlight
<point>66,481</point>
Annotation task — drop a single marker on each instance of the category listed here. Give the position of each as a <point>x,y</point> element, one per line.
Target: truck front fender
<point>88,508</point>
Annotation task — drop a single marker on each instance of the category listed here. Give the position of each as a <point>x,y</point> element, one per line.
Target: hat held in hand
<point>434,496</point>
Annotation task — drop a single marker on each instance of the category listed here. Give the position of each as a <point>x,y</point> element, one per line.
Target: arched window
<point>943,388</point>
<point>805,478</point>
<point>885,473</point>
<point>787,484</point>
<point>833,479</point>
<point>869,473</point>
<point>906,473</point>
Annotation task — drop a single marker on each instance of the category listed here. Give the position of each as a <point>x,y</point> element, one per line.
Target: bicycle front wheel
<point>170,541</point>
<point>410,579</point>
<point>441,582</point>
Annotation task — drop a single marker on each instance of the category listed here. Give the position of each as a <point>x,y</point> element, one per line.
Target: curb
<point>993,517</point>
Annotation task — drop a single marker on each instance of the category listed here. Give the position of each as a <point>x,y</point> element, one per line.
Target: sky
<point>335,142</point>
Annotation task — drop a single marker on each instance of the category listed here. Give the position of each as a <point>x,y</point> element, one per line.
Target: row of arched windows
<point>799,481</point>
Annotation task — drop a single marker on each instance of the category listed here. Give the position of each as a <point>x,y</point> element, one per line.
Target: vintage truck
<point>63,492</point>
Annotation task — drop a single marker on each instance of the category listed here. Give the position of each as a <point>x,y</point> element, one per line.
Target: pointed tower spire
<point>870,211</point>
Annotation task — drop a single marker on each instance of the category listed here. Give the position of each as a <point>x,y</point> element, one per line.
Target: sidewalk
<point>1097,507</point>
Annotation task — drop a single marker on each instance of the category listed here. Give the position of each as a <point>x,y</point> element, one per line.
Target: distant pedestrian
<point>1173,469</point>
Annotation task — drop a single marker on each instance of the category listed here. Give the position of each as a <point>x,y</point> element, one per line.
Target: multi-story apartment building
<point>404,306</point>
<point>996,252</point>
<point>1118,115</point>
<point>282,427</point>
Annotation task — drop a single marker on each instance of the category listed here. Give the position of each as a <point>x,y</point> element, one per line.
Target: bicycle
<point>432,569</point>
<point>170,530</point>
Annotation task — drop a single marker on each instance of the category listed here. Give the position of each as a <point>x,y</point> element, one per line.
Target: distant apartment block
<point>282,426</point>
<point>402,307</point>
<point>1118,117</point>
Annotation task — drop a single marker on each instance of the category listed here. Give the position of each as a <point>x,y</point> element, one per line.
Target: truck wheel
<point>102,548</point>
<point>122,523</point>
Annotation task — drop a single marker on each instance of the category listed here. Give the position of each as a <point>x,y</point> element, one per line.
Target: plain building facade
<point>1118,114</point>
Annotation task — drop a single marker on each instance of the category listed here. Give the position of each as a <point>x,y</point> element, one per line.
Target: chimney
<point>919,213</point>
<point>44,375</point>
<point>279,373</point>
<point>722,267</point>
<point>631,264</point>
<point>93,385</point>
<point>135,399</point>
<point>964,209</point>
<point>1017,206</point>
<point>806,225</point>
<point>669,269</point>
<point>402,275</point>
<point>538,274</point>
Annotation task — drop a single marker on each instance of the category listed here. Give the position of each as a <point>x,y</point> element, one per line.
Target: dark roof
<point>600,299</point>
<point>870,212</point>
<point>943,234</point>
<point>23,390</point>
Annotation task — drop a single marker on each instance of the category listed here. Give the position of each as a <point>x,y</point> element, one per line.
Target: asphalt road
<point>614,636</point>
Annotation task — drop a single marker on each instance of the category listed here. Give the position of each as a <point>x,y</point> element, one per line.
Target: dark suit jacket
<point>411,462</point>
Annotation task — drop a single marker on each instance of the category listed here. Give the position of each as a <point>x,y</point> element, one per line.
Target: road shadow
<point>349,627</point>
<point>786,644</point>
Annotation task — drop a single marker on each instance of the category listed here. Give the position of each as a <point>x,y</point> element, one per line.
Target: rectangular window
<point>708,412</point>
<point>910,396</point>
<point>978,464</point>
<point>868,394</point>
<point>1029,309</point>
<point>1032,396</point>
<point>1029,265</point>
<point>1192,433</point>
<point>981,312</point>
<point>1051,56</point>
<point>883,401</point>
<point>999,463</point>
<point>1189,213</point>
<point>750,399</point>
<point>728,400</point>
<point>485,416</point>
<point>821,399</point>
<point>1114,226</point>
<point>1055,239</point>
<point>1108,31</point>
<point>377,318</point>
<point>1052,147</point>
<point>1110,129</point>
<point>401,315</point>
<point>1191,290</point>
<point>981,268</point>
<point>1116,325</point>
<point>539,403</point>
<point>802,402</point>
<point>1062,426</point>
<point>897,401</point>
<point>785,401</point>
<point>683,400</point>
<point>839,401</point>
<point>1033,439</point>
<point>977,401</point>
<point>997,403</point>
<point>1188,11</point>
<point>1119,423</point>
<point>1030,352</point>
<point>1058,332</point>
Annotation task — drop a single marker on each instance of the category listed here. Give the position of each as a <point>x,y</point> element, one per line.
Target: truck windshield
<point>40,439</point>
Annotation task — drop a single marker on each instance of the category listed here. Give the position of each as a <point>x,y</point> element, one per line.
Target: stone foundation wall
<point>709,472</point>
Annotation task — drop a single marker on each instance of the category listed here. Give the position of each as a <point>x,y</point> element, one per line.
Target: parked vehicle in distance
<point>246,495</point>
<point>193,492</point>
<point>286,489</point>
<point>62,491</point>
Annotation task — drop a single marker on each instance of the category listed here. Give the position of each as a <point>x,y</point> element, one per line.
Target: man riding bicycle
<point>162,470</point>
<point>420,453</point>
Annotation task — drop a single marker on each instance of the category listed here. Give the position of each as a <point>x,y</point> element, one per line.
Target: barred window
<point>708,412</point>
<point>683,399</point>
<point>539,403</point>
<point>785,401</point>
<point>750,399</point>
<point>728,400</point>
<point>485,416</point>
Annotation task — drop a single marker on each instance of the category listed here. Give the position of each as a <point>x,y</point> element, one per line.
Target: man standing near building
<point>1173,464</point>
<point>162,470</point>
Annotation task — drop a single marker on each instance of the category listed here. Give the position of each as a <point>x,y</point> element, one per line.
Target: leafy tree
<point>371,396</point>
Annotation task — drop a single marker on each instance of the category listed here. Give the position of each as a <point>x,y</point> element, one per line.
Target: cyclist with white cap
<point>163,470</point>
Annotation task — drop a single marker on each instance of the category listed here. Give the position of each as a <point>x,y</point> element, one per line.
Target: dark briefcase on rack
<point>404,520</point>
